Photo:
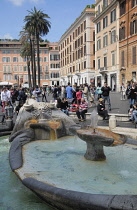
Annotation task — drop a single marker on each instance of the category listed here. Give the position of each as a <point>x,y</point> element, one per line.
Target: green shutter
<point>131,28</point>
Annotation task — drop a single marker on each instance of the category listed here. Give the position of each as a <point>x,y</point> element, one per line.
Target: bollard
<point>112,122</point>
<point>9,123</point>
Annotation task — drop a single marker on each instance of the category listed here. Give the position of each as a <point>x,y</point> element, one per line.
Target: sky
<point>62,14</point>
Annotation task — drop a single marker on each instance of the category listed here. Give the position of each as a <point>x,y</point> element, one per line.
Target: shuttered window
<point>133,27</point>
<point>105,22</point>
<point>113,15</point>
<point>113,36</point>
<point>105,40</point>
<point>122,33</point>
<point>134,59</point>
<point>98,27</point>
<point>122,8</point>
<point>122,59</point>
<point>134,3</point>
<point>99,44</point>
<point>105,62</point>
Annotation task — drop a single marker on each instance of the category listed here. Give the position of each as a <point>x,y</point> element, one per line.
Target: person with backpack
<point>105,94</point>
<point>22,95</point>
<point>36,94</point>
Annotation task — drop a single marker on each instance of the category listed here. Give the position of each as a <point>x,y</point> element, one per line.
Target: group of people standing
<point>83,97</point>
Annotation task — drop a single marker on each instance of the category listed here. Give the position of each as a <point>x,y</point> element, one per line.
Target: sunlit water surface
<point>62,164</point>
<point>13,194</point>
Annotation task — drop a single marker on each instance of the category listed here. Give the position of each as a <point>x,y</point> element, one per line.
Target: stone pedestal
<point>9,123</point>
<point>112,122</point>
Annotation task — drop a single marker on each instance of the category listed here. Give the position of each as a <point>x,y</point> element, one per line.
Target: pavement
<point>117,106</point>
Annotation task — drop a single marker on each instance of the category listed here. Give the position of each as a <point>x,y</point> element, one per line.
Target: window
<point>6,59</point>
<point>105,62</point>
<point>15,59</point>
<point>16,52</point>
<point>99,44</point>
<point>113,36</point>
<point>122,33</point>
<point>105,3</point>
<point>15,68</point>
<point>93,63</point>
<point>54,57</point>
<point>46,51</point>
<point>98,9</point>
<point>98,27</point>
<point>98,63</point>
<point>20,68</point>
<point>84,64</point>
<point>45,59</point>
<point>122,8</point>
<point>122,59</point>
<point>5,51</point>
<point>105,22</point>
<point>94,49</point>
<point>25,68</point>
<point>113,58</point>
<point>134,59</point>
<point>84,24</point>
<point>134,3</point>
<point>113,15</point>
<point>133,27</point>
<point>105,40</point>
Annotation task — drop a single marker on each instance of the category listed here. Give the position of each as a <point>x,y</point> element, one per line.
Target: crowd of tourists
<point>70,98</point>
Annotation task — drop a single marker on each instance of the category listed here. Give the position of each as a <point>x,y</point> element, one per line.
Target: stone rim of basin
<point>91,135</point>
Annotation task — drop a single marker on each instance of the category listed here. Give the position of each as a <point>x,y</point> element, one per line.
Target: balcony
<point>103,70</point>
<point>46,72</point>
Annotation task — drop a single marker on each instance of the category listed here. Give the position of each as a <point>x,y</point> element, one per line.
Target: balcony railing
<point>103,68</point>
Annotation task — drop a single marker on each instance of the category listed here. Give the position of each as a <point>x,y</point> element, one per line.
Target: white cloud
<point>6,36</point>
<point>20,2</point>
<point>17,2</point>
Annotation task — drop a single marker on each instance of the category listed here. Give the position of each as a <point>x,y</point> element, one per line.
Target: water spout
<point>94,120</point>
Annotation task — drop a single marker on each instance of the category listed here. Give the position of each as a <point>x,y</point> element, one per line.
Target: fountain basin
<point>43,173</point>
<point>34,173</point>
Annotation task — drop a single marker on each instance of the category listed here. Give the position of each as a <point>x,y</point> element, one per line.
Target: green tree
<point>25,52</point>
<point>26,37</point>
<point>38,25</point>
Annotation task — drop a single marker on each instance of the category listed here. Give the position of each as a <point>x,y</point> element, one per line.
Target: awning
<point>5,83</point>
<point>45,83</point>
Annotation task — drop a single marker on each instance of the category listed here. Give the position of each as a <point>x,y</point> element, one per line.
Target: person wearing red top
<point>79,96</point>
<point>83,107</point>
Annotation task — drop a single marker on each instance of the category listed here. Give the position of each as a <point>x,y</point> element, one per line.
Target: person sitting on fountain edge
<point>101,109</point>
<point>64,106</point>
<point>83,107</point>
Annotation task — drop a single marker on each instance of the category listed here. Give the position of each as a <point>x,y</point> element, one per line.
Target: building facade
<point>13,67</point>
<point>128,40</point>
<point>107,43</point>
<point>77,51</point>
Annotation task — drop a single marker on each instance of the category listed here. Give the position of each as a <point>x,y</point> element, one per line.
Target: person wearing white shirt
<point>4,97</point>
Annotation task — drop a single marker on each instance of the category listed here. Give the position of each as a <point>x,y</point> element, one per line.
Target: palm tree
<point>25,37</point>
<point>25,52</point>
<point>37,21</point>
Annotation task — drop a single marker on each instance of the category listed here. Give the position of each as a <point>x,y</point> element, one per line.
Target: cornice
<point>86,12</point>
<point>96,19</point>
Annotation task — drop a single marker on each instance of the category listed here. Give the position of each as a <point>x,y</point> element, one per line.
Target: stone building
<point>77,50</point>
<point>13,67</point>
<point>128,40</point>
<point>107,43</point>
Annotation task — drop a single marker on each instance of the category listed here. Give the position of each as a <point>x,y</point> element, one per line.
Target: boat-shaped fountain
<point>47,154</point>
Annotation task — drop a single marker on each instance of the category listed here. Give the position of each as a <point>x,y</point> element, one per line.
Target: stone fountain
<point>96,139</point>
<point>32,137</point>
